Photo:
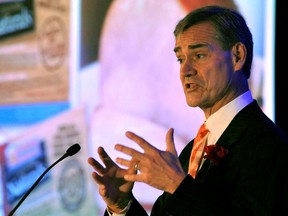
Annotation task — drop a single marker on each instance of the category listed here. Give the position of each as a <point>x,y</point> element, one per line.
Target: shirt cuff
<point>122,212</point>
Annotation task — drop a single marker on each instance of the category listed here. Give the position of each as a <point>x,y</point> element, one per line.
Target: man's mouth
<point>191,86</point>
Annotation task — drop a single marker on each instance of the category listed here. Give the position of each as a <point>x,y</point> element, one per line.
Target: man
<point>245,172</point>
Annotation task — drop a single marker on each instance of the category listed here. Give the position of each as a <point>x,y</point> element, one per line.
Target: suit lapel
<point>232,134</point>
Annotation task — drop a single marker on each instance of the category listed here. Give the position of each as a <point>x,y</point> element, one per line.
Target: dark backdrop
<point>281,66</point>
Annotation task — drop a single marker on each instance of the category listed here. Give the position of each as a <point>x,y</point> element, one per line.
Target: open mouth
<point>191,86</point>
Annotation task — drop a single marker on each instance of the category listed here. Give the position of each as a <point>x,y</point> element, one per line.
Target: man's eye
<point>200,56</point>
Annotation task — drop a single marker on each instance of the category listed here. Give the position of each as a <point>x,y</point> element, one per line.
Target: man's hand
<point>114,189</point>
<point>159,169</point>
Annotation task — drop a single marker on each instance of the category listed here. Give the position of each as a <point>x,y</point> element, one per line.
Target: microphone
<point>69,152</point>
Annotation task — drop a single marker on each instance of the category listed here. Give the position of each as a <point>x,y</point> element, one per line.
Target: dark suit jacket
<point>251,180</point>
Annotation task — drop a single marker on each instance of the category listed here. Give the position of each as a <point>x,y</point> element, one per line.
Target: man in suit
<point>242,169</point>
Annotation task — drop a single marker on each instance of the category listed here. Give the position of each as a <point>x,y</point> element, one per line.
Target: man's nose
<point>187,69</point>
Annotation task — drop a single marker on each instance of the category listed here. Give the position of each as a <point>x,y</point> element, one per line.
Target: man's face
<point>206,70</point>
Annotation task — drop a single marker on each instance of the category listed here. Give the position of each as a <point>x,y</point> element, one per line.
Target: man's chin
<point>193,103</point>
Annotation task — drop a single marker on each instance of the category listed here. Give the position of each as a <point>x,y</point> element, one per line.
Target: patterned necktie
<point>197,151</point>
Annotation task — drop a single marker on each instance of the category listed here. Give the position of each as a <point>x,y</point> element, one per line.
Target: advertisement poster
<point>34,51</point>
<point>67,188</point>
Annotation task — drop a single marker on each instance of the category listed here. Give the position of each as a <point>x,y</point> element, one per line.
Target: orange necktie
<point>197,151</point>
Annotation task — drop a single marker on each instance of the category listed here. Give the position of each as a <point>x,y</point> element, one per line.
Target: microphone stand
<point>72,150</point>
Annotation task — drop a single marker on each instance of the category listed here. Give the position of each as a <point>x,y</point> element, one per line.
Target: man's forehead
<point>194,36</point>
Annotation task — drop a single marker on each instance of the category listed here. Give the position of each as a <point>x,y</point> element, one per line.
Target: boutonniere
<point>215,153</point>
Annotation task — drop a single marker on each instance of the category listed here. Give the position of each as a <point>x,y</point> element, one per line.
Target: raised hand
<point>159,169</point>
<point>113,188</point>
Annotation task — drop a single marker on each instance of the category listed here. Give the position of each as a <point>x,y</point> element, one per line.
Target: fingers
<point>105,157</point>
<point>148,148</point>
<point>96,165</point>
<point>140,141</point>
<point>131,164</point>
<point>98,168</point>
<point>129,151</point>
<point>98,179</point>
<point>170,146</point>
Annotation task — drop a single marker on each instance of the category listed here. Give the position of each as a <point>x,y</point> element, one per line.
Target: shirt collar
<point>220,120</point>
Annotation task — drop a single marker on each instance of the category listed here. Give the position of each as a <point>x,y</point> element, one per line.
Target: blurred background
<point>85,72</point>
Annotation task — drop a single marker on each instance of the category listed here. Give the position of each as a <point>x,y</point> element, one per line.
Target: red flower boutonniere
<point>215,153</point>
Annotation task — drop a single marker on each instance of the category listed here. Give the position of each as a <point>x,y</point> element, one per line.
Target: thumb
<point>170,146</point>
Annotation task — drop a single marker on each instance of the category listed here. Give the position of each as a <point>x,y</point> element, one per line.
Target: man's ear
<point>239,55</point>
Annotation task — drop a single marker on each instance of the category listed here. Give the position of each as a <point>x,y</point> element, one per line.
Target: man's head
<point>214,48</point>
<point>231,28</point>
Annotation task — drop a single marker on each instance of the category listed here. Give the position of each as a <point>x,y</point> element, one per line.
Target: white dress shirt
<point>220,120</point>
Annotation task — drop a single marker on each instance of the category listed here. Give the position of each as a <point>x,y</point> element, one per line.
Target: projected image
<point>24,162</point>
<point>16,17</point>
<point>64,189</point>
<point>34,70</point>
